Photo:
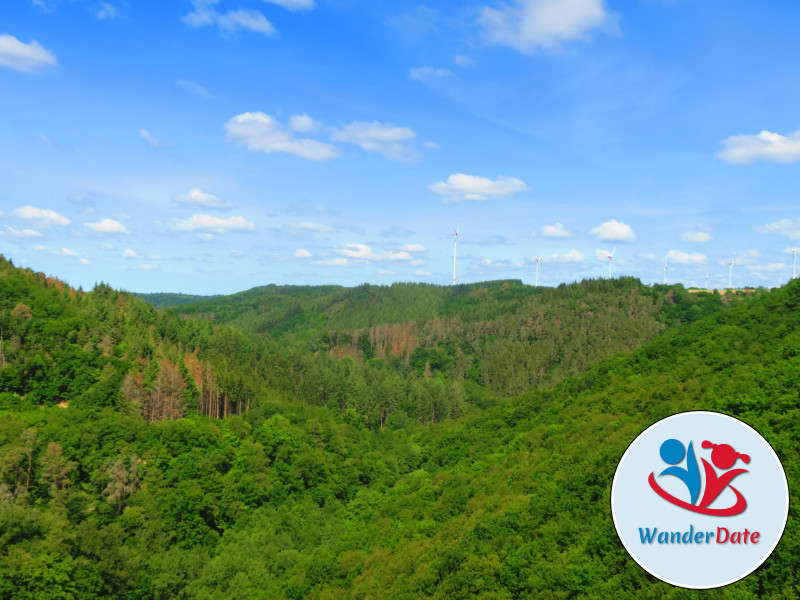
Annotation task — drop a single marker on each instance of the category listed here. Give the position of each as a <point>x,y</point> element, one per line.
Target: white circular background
<point>635,505</point>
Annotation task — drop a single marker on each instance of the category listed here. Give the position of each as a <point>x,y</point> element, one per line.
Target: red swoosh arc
<point>737,508</point>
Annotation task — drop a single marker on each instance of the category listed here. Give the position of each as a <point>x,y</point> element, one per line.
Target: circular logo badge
<point>699,500</point>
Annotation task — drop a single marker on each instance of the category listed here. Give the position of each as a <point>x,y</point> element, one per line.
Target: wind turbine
<point>706,280</point>
<point>455,245</point>
<point>536,260</point>
<point>730,275</point>
<point>666,266</point>
<point>794,261</point>
<point>610,258</point>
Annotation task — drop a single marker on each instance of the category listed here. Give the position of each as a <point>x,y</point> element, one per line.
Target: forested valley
<point>405,441</point>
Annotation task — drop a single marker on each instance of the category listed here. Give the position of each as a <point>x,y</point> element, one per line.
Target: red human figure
<point>724,457</point>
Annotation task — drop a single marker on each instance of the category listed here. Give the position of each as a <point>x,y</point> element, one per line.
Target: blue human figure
<point>672,452</point>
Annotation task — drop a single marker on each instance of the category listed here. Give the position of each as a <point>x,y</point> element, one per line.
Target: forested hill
<point>110,348</point>
<point>293,501</point>
<point>502,335</point>
<point>167,300</point>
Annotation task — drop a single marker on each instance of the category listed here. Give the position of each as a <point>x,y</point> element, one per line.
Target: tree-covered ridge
<point>503,335</point>
<point>109,348</point>
<point>292,501</point>
<point>168,300</point>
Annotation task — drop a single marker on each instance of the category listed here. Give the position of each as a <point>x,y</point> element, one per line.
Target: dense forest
<point>277,444</point>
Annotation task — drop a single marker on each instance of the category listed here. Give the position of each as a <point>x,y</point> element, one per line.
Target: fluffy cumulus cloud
<point>129,253</point>
<point>335,262</point>
<point>696,236</point>
<point>43,217</point>
<point>303,124</point>
<point>364,252</point>
<point>20,233</point>
<point>302,253</point>
<point>384,138</point>
<point>766,146</point>
<point>197,198</point>
<point>107,226</point>
<point>460,187</point>
<point>573,256</point>
<point>555,231</point>
<point>207,223</point>
<point>677,257</point>
<point>613,231</point>
<point>66,252</point>
<point>528,25</point>
<point>20,56</point>
<point>413,248</point>
<point>231,21</point>
<point>259,132</point>
<point>784,227</point>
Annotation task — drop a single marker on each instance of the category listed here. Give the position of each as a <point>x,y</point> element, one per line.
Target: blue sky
<point>211,146</point>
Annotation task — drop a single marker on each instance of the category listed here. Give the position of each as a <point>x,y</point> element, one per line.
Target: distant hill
<point>503,335</point>
<point>168,300</point>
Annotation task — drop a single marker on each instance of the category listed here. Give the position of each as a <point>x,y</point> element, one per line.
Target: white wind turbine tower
<point>707,280</point>
<point>730,275</point>
<point>794,261</point>
<point>455,245</point>
<point>610,258</point>
<point>536,260</point>
<point>666,266</point>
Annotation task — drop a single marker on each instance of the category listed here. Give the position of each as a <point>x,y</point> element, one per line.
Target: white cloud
<point>85,261</point>
<point>207,223</point>
<point>259,132</point>
<point>303,124</point>
<point>413,248</point>
<point>425,74</point>
<point>129,253</point>
<point>775,266</point>
<point>145,267</point>
<point>784,227</point>
<point>231,21</point>
<point>20,233</point>
<point>683,258</point>
<point>66,252</point>
<point>555,231</point>
<point>302,253</point>
<point>206,237</point>
<point>194,88</point>
<point>460,187</point>
<point>152,140</point>
<point>107,226</point>
<point>423,273</point>
<point>383,272</point>
<point>696,236</point>
<point>766,146</point>
<point>613,231</point>
<point>39,248</point>
<point>383,138</point>
<point>531,24</point>
<point>20,56</point>
<point>294,4</point>
<point>334,262</point>
<point>364,252</point>
<point>573,256</point>
<point>43,217</point>
<point>237,253</point>
<point>197,198</point>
